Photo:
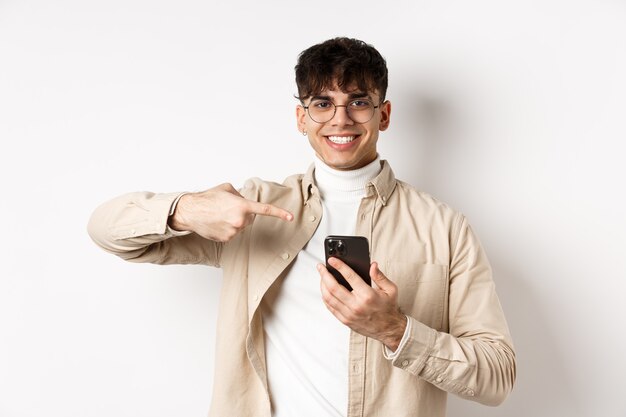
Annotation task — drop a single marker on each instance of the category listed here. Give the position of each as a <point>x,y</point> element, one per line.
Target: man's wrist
<point>391,354</point>
<point>397,332</point>
<point>175,219</point>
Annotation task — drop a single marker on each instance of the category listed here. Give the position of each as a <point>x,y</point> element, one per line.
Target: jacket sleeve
<point>475,360</point>
<point>134,227</point>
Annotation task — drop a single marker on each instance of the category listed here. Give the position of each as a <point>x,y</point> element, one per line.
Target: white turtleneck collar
<point>336,185</point>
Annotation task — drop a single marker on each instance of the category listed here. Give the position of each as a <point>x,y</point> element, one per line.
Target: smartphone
<point>353,251</point>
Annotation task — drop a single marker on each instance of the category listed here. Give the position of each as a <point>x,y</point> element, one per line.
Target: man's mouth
<point>341,140</point>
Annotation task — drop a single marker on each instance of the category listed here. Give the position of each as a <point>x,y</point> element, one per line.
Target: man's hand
<point>372,312</point>
<point>220,213</point>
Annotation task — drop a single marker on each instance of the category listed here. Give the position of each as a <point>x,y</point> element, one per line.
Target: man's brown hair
<point>342,63</point>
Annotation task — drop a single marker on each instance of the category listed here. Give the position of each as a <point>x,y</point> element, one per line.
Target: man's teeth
<point>341,139</point>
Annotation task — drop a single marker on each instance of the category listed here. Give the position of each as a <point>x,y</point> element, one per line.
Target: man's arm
<point>474,360</point>
<point>148,227</point>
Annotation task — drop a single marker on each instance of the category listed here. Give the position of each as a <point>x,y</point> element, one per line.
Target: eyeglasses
<point>359,110</point>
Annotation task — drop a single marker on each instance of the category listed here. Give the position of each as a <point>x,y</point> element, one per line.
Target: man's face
<point>341,142</point>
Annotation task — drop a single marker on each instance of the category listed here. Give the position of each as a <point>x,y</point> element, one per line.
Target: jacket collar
<point>382,185</point>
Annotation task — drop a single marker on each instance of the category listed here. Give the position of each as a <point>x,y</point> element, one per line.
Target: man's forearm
<point>135,227</point>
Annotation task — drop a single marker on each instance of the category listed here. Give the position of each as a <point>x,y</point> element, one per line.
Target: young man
<point>292,341</point>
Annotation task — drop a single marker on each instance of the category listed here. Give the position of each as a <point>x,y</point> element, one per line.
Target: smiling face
<point>342,143</point>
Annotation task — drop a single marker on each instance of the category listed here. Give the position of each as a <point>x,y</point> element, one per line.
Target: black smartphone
<point>353,251</point>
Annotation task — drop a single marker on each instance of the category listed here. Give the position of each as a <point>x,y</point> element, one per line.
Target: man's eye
<point>322,105</point>
<point>359,104</point>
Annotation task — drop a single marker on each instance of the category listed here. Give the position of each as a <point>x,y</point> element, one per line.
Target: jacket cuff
<point>168,229</point>
<point>154,213</point>
<point>413,352</point>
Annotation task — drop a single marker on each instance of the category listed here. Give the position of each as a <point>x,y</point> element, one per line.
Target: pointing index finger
<point>265,209</point>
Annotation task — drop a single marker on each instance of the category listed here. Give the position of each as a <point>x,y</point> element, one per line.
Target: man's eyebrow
<point>359,95</point>
<point>327,98</point>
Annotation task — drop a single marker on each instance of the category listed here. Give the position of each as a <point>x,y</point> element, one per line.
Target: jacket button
<point>405,363</point>
<point>312,218</point>
<point>285,256</point>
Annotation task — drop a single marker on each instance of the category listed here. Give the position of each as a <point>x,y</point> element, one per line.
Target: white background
<point>510,111</point>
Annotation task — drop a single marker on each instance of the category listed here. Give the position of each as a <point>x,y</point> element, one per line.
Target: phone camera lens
<point>332,247</point>
<point>341,248</point>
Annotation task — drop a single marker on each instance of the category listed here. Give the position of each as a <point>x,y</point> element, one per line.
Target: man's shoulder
<point>291,181</point>
<point>263,190</point>
<point>421,200</point>
<point>410,191</point>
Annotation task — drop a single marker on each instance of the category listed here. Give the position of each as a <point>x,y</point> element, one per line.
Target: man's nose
<point>341,116</point>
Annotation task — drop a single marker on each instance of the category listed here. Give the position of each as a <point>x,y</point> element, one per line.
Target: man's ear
<point>385,115</point>
<point>301,118</point>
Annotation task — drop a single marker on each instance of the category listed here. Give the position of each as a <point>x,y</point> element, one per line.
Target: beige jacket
<point>459,341</point>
